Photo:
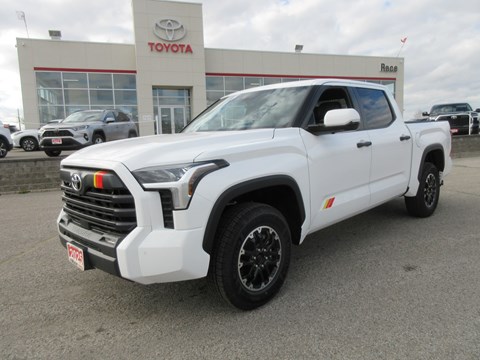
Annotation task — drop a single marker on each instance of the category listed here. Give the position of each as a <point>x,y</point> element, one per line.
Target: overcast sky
<point>442,52</point>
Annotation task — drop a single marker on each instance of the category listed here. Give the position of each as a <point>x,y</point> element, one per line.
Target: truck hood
<point>169,149</point>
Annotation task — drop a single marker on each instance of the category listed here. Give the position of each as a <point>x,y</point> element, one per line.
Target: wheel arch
<point>29,137</point>
<point>434,154</point>
<point>99,132</point>
<point>281,192</point>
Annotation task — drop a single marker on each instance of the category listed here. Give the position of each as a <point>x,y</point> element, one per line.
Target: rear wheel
<point>132,134</point>
<point>252,255</point>
<point>53,153</point>
<point>29,144</point>
<point>3,148</point>
<point>425,202</point>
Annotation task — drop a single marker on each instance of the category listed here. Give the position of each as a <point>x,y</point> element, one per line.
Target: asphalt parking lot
<point>381,285</point>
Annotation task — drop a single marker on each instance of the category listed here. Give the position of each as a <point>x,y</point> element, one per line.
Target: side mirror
<point>109,120</point>
<point>425,113</point>
<point>337,120</point>
<point>477,110</point>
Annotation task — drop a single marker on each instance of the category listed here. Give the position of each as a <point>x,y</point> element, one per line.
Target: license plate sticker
<point>57,141</point>
<point>76,256</point>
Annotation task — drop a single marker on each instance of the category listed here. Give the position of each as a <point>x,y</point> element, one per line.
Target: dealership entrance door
<point>170,119</point>
<point>171,108</point>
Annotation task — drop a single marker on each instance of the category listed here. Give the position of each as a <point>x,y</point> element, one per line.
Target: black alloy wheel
<point>424,203</point>
<point>251,256</point>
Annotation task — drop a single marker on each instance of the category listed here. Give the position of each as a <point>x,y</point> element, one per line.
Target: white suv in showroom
<point>6,143</point>
<point>84,128</point>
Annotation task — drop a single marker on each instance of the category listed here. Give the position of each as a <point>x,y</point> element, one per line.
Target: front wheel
<point>424,203</point>
<point>252,255</point>
<point>98,139</point>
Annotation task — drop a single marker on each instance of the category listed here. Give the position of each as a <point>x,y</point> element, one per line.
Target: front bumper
<point>150,252</point>
<point>143,256</point>
<point>68,143</point>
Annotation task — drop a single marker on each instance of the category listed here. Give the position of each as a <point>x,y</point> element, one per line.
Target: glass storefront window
<point>215,83</point>
<point>124,81</point>
<point>59,94</point>
<point>51,80</point>
<point>75,81</point>
<point>48,113</point>
<point>76,97</point>
<point>125,97</point>
<point>233,83</point>
<point>100,81</point>
<point>50,96</point>
<point>213,96</point>
<point>101,97</point>
<point>271,80</point>
<point>253,82</point>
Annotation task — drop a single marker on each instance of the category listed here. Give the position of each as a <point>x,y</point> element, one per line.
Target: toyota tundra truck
<point>252,175</point>
<point>463,120</point>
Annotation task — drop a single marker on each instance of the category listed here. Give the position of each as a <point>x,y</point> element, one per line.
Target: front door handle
<point>364,144</point>
<point>404,137</point>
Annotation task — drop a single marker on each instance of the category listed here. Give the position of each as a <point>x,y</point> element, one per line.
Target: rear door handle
<point>364,144</point>
<point>404,137</point>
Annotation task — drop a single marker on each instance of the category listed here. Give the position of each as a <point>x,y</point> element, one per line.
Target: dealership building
<point>167,76</point>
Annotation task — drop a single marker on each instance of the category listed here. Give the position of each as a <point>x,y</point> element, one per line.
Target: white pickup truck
<point>253,174</point>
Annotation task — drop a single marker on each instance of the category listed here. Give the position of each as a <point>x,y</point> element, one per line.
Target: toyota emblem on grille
<point>76,182</point>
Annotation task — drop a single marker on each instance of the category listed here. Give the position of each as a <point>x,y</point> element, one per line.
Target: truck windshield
<point>273,108</point>
<point>449,108</point>
<point>84,116</point>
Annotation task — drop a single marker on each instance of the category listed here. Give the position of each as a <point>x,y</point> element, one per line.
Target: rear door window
<point>375,108</point>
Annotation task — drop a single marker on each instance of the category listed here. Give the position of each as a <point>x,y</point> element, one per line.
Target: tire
<point>98,139</point>
<point>252,255</point>
<point>3,148</point>
<point>132,134</point>
<point>53,153</point>
<point>29,144</point>
<point>425,202</point>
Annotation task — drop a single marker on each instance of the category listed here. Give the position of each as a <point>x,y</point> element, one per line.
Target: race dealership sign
<point>170,31</point>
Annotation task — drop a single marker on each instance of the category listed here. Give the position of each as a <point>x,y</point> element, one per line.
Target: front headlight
<point>80,128</point>
<point>180,179</point>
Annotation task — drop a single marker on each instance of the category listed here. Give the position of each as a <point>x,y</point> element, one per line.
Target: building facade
<point>167,76</point>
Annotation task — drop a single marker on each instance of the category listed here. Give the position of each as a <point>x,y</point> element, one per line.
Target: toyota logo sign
<point>169,30</point>
<point>76,182</point>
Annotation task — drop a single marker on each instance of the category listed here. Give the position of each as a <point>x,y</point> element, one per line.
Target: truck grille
<point>54,133</point>
<point>109,208</point>
<point>457,120</point>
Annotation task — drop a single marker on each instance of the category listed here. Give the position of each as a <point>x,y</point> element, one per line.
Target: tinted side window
<point>375,108</point>
<point>122,117</point>
<point>330,99</point>
<point>109,115</point>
